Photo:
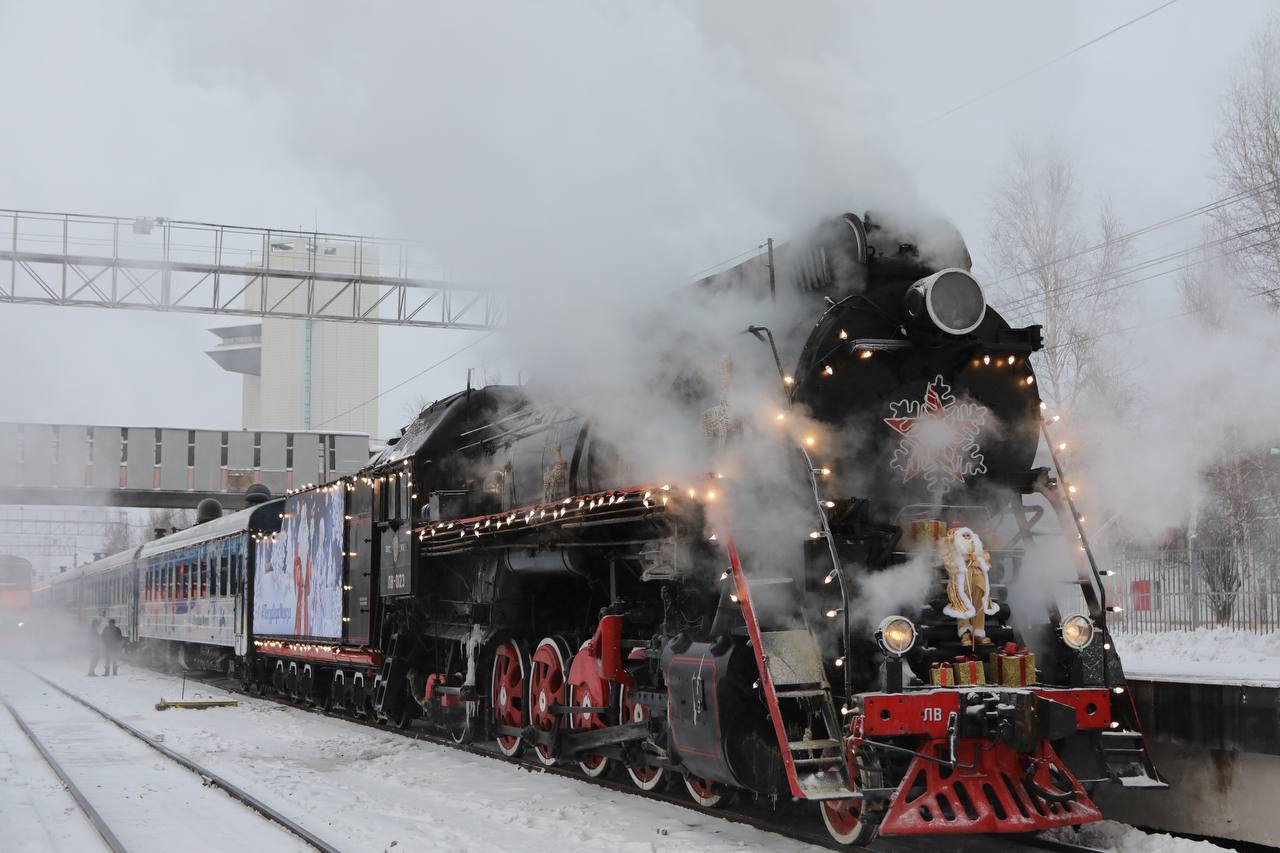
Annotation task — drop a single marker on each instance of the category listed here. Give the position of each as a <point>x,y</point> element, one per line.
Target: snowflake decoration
<point>939,438</point>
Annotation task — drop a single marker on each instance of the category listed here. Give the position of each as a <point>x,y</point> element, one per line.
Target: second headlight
<point>1077,631</point>
<point>896,635</point>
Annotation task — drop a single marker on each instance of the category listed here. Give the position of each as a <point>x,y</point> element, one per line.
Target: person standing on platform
<point>95,645</point>
<point>112,644</point>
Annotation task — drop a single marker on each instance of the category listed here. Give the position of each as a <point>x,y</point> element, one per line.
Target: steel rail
<point>234,791</point>
<point>782,826</point>
<point>733,813</point>
<point>96,819</point>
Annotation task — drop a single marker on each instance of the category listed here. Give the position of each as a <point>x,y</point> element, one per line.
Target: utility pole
<point>773,293</point>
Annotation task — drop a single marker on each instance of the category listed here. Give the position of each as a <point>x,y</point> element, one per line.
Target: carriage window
<point>235,567</point>
<point>203,590</point>
<point>224,560</point>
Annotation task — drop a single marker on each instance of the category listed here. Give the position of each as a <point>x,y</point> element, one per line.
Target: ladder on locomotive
<point>793,679</point>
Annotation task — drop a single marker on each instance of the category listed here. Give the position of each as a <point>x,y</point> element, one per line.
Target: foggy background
<point>590,158</point>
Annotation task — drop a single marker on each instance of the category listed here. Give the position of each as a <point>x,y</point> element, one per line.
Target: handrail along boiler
<point>502,571</point>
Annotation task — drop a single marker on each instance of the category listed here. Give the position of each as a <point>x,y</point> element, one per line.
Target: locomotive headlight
<point>950,301</point>
<point>896,635</point>
<point>1077,631</point>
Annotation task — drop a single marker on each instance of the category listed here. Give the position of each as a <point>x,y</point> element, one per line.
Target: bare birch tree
<point>1247,151</point>
<point>1052,268</point>
<point>1237,524</point>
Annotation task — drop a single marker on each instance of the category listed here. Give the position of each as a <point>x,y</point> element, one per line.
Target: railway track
<point>797,821</point>
<point>116,817</point>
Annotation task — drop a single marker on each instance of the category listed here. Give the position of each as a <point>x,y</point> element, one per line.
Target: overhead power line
<point>1025,306</point>
<point>1147,229</point>
<point>406,381</point>
<point>702,272</point>
<point>1042,66</point>
<point>1152,322</point>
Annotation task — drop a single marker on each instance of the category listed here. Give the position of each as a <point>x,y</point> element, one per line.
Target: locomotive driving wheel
<point>507,693</point>
<point>643,777</point>
<point>547,673</point>
<point>459,718</point>
<point>707,793</point>
<point>593,691</point>
<point>853,821</point>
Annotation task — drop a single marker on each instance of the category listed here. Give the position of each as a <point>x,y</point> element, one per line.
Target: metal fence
<point>1175,589</point>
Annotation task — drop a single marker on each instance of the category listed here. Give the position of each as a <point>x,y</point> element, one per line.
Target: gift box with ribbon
<point>926,533</point>
<point>942,675</point>
<point>969,671</point>
<point>1013,665</point>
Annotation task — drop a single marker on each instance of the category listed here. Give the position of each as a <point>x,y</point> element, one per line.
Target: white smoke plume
<point>1199,388</point>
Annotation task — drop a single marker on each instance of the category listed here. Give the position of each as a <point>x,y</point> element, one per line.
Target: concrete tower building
<point>305,374</point>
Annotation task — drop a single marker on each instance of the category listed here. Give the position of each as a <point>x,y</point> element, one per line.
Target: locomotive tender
<point>503,572</point>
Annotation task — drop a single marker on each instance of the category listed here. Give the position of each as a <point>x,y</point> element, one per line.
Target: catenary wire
<point>406,381</point>
<point>1024,307</point>
<point>1060,57</point>
<point>1146,229</point>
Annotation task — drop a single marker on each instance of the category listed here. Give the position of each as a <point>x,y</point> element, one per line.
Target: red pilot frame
<point>961,784</point>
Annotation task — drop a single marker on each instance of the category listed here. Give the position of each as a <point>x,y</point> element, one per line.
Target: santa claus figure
<point>968,586</point>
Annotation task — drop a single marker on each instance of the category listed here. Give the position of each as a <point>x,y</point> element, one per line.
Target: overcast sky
<point>536,143</point>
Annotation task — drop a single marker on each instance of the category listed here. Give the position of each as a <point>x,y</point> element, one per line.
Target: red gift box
<point>1014,665</point>
<point>926,533</point>
<point>942,675</point>
<point>969,671</point>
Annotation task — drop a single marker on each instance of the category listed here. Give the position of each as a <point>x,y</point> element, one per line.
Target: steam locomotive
<point>504,571</point>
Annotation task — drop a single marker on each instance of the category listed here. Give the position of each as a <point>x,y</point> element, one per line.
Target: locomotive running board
<point>790,666</point>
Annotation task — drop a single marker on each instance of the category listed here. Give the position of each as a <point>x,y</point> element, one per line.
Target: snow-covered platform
<point>1209,702</point>
<point>1216,656</point>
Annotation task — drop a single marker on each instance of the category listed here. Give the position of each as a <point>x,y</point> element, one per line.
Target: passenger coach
<point>180,599</point>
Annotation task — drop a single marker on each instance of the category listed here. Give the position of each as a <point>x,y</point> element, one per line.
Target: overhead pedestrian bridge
<point>159,264</point>
<point>162,467</point>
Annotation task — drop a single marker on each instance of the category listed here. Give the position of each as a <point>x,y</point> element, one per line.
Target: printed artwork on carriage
<point>298,574</point>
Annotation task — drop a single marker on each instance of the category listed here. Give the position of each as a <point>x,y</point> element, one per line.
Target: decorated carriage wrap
<point>298,572</point>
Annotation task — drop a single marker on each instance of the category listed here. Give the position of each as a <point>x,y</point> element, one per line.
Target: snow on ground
<point>37,815</point>
<point>1120,838</point>
<point>1217,654</point>
<point>363,789</point>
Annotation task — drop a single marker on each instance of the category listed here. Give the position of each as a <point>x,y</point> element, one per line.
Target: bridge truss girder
<point>190,267</point>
